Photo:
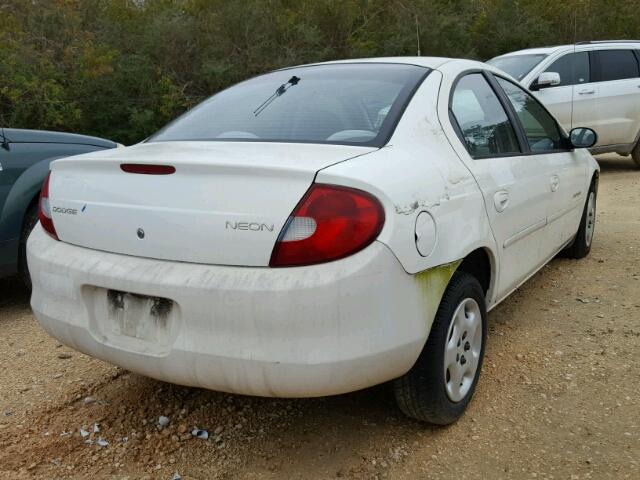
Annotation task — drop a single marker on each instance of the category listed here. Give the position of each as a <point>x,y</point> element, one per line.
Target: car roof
<point>433,63</point>
<point>429,62</point>
<point>19,135</point>
<point>553,49</point>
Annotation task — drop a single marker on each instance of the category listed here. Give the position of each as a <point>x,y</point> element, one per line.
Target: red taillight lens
<point>329,223</point>
<point>44,210</point>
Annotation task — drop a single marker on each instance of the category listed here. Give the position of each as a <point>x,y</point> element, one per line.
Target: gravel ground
<point>558,395</point>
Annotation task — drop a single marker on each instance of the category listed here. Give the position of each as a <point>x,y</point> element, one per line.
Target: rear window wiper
<point>281,90</point>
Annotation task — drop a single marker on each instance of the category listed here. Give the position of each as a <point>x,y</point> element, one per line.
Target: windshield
<point>353,104</point>
<point>517,65</point>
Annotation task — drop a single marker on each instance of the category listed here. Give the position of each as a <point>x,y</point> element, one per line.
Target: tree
<point>123,68</point>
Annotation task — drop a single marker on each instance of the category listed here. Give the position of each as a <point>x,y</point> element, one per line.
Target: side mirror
<point>545,80</point>
<point>583,137</point>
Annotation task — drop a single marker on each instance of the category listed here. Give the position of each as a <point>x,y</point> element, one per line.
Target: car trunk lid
<point>222,202</point>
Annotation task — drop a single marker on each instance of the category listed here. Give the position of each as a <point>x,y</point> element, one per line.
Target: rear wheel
<point>30,220</point>
<point>440,385</point>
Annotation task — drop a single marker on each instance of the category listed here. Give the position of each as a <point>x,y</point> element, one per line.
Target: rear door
<point>514,184</point>
<point>617,74</point>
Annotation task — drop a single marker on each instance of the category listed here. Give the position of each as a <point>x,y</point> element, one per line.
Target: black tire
<point>30,220</point>
<point>422,392</point>
<point>635,154</point>
<point>581,245</point>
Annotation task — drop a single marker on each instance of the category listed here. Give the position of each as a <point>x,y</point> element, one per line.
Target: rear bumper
<point>290,332</point>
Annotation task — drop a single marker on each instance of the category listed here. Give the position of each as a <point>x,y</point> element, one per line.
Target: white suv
<point>593,84</point>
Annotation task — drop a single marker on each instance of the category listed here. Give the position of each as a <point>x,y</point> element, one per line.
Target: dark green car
<point>25,156</point>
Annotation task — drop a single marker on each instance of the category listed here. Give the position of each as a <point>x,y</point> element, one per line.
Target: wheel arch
<point>30,205</point>
<point>482,265</point>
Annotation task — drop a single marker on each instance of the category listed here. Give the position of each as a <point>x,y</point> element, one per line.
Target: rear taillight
<point>329,223</point>
<point>44,211</point>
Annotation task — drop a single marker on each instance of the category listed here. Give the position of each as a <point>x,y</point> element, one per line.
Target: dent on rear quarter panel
<point>432,284</point>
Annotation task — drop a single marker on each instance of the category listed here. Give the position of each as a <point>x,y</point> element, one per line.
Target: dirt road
<point>558,396</point>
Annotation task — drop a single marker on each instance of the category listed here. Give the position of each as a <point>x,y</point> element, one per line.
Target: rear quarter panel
<point>418,171</point>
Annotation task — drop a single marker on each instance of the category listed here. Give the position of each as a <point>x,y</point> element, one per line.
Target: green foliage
<point>123,68</point>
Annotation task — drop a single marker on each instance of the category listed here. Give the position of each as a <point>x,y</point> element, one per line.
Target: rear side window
<point>615,65</point>
<point>572,68</point>
<point>539,126</point>
<point>482,120</point>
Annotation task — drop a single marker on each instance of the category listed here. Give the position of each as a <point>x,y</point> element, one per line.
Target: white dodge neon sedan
<point>316,230</point>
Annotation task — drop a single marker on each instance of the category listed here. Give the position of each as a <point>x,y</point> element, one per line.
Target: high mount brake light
<point>44,209</point>
<point>330,222</point>
<point>146,169</point>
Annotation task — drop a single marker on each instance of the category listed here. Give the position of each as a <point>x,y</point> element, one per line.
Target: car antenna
<point>575,29</point>
<point>281,90</point>
<point>575,42</point>
<point>417,33</point>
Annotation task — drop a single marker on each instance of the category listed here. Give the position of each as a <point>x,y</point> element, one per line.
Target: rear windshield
<point>352,104</point>
<point>517,65</point>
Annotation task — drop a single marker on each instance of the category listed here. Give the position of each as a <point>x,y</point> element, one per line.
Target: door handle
<point>555,183</point>
<point>501,200</point>
<point>587,91</point>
